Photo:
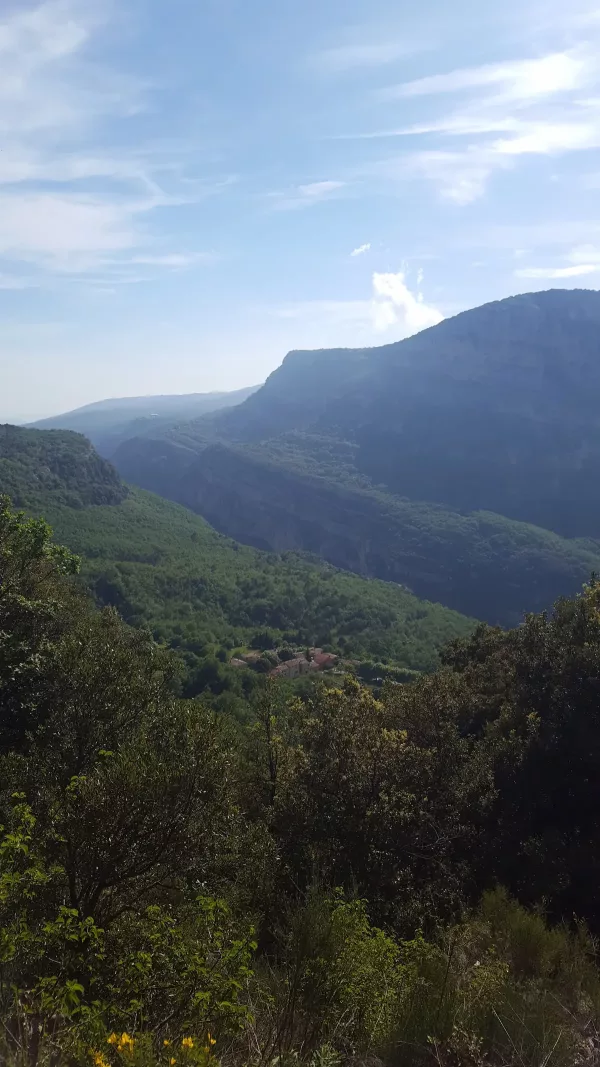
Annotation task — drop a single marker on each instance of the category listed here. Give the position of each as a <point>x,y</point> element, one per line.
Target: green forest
<point>408,879</point>
<point>204,595</point>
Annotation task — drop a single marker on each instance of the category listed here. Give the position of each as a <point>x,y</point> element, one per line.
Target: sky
<point>188,190</point>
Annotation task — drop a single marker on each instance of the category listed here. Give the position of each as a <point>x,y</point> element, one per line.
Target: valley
<point>458,463</point>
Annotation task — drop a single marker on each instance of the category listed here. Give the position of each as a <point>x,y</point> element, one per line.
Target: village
<point>286,662</point>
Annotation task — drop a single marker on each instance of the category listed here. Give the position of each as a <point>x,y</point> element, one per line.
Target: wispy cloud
<point>360,250</point>
<point>516,81</point>
<point>581,260</point>
<point>301,196</point>
<point>176,260</point>
<point>350,57</point>
<point>558,272</point>
<point>542,106</point>
<point>585,253</point>
<point>70,203</point>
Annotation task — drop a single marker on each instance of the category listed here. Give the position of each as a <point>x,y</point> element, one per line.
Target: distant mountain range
<point>462,462</point>
<point>107,423</point>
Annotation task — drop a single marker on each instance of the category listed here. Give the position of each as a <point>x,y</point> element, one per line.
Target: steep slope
<point>460,462</point>
<point>481,564</point>
<point>109,422</point>
<point>495,409</point>
<point>164,567</point>
<point>56,466</point>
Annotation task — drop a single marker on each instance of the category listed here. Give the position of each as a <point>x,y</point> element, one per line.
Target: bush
<point>334,978</point>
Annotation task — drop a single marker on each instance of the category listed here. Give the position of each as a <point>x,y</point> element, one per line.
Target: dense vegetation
<point>424,462</point>
<point>166,569</point>
<point>481,564</point>
<point>320,887</point>
<point>58,467</point>
<point>109,422</point>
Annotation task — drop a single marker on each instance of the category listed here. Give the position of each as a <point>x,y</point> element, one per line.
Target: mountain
<point>109,422</point>
<point>460,462</point>
<point>165,568</point>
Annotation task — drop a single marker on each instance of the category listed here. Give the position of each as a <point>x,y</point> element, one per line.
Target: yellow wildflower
<point>212,1040</point>
<point>125,1043</point>
<point>166,1042</point>
<point>112,1040</point>
<point>99,1060</point>
<point>172,1061</point>
<point>187,1043</point>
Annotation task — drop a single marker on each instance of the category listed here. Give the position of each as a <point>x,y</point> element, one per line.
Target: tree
<point>125,813</point>
<point>532,695</point>
<point>379,796</point>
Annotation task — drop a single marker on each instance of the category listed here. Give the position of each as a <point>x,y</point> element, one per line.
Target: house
<point>292,668</point>
<point>324,659</point>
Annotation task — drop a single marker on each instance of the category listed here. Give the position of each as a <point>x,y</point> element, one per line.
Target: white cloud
<point>52,98</point>
<point>461,177</point>
<point>507,110</point>
<point>349,57</point>
<point>392,308</point>
<point>53,226</point>
<point>518,80</point>
<point>558,272</point>
<point>548,138</point>
<point>43,85</point>
<point>172,259</point>
<point>360,250</point>
<point>585,253</point>
<point>394,303</point>
<point>305,195</point>
<point>317,190</point>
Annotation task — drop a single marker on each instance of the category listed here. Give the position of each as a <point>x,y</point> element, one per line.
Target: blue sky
<point>190,189</point>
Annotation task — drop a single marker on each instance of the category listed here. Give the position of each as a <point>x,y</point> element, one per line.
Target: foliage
<point>124,801</point>
<point>531,694</point>
<point>165,569</point>
<point>483,564</point>
<point>334,978</point>
<point>377,797</point>
<point>317,889</point>
<point>59,466</point>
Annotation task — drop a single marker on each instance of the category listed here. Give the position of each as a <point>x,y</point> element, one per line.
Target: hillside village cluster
<point>285,666</point>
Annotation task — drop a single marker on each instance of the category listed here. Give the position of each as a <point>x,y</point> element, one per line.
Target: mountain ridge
<point>490,413</point>
<point>109,422</point>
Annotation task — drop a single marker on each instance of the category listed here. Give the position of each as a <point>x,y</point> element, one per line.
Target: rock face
<point>389,461</point>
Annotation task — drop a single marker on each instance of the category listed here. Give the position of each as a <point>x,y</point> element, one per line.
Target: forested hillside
<point>458,462</point>
<point>61,468</point>
<point>165,568</point>
<point>493,409</point>
<point>345,881</point>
